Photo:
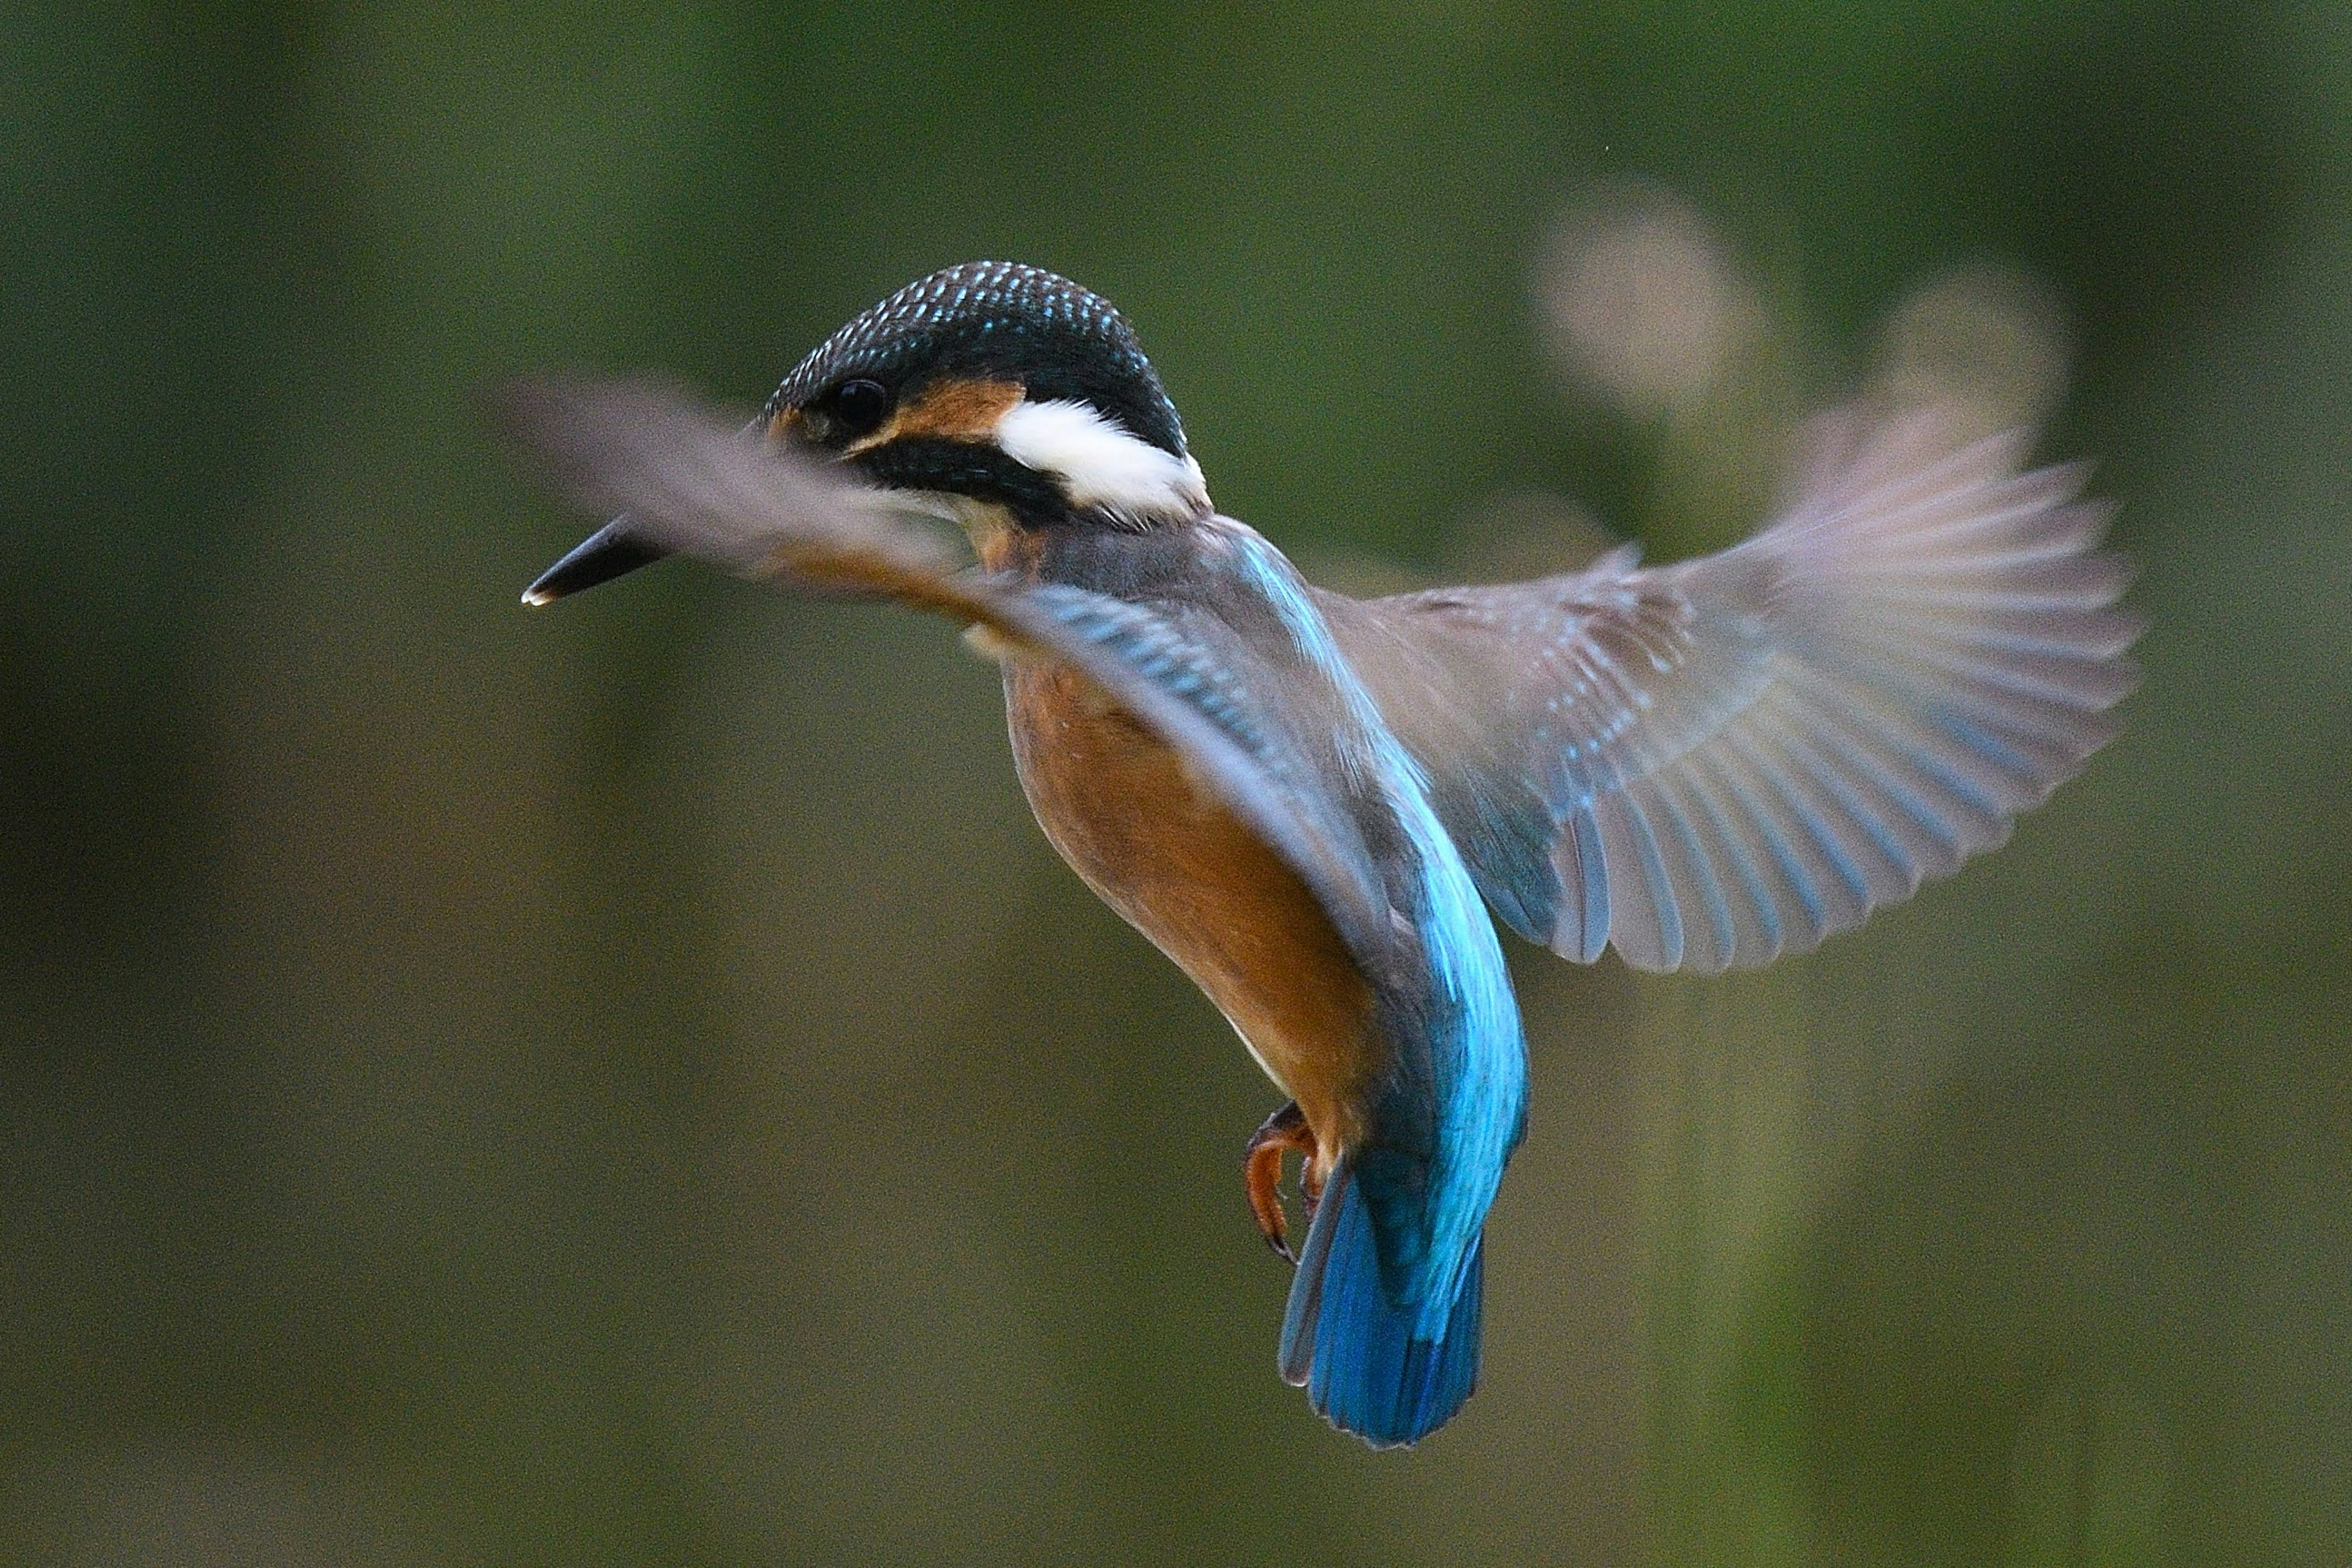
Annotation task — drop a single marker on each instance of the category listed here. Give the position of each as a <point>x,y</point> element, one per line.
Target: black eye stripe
<point>926,462</point>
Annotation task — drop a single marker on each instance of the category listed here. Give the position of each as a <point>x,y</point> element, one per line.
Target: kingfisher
<point>1311,802</point>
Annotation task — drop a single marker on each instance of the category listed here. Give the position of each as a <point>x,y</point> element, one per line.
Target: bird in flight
<point>1311,802</point>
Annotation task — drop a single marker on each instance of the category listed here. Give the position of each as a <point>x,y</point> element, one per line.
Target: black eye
<point>859,407</point>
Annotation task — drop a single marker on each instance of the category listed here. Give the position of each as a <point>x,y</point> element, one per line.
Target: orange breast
<point>1124,812</point>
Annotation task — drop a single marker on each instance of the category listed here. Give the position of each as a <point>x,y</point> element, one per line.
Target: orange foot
<point>1285,1131</point>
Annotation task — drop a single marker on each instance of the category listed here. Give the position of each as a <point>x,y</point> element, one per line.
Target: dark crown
<point>996,320</point>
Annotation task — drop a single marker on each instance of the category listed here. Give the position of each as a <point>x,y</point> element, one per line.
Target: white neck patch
<point>1100,465</point>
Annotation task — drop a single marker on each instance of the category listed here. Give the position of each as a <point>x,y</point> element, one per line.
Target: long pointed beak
<point>609,552</point>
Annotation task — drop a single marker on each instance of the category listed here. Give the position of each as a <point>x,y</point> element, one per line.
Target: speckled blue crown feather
<point>997,320</point>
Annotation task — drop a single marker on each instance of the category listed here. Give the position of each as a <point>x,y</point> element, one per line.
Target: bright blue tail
<point>1356,1351</point>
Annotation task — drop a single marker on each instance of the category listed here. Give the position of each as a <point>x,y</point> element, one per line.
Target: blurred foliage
<point>628,1084</point>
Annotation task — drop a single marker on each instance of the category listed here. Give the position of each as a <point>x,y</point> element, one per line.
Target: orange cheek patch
<point>958,410</point>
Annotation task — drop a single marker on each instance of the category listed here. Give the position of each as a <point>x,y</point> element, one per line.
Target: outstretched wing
<point>690,483</point>
<point>1711,762</point>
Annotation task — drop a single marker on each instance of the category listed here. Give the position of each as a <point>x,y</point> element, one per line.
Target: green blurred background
<point>629,1083</point>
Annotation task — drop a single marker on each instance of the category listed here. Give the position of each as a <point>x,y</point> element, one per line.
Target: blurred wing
<point>1716,762</point>
<point>694,485</point>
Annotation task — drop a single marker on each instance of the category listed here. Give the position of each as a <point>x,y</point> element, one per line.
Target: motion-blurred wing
<point>694,485</point>
<point>1716,762</point>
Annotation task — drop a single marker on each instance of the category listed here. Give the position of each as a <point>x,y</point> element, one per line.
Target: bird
<point>1320,807</point>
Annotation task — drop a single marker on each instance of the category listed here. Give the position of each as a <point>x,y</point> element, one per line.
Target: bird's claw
<point>1283,1133</point>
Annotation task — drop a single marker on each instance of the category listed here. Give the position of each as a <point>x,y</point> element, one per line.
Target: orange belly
<point>1124,812</point>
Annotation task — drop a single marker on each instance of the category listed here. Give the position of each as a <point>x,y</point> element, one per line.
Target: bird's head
<point>1003,395</point>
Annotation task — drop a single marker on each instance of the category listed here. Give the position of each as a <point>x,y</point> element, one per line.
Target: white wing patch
<point>1101,463</point>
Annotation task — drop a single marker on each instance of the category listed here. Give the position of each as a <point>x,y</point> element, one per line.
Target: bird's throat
<point>1003,545</point>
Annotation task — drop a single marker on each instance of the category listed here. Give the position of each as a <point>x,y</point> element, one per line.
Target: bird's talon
<point>1283,1133</point>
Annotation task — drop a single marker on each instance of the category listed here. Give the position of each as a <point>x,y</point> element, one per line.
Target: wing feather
<point>688,481</point>
<point>1708,764</point>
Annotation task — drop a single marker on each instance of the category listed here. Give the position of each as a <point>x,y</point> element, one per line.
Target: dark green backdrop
<point>628,1083</point>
